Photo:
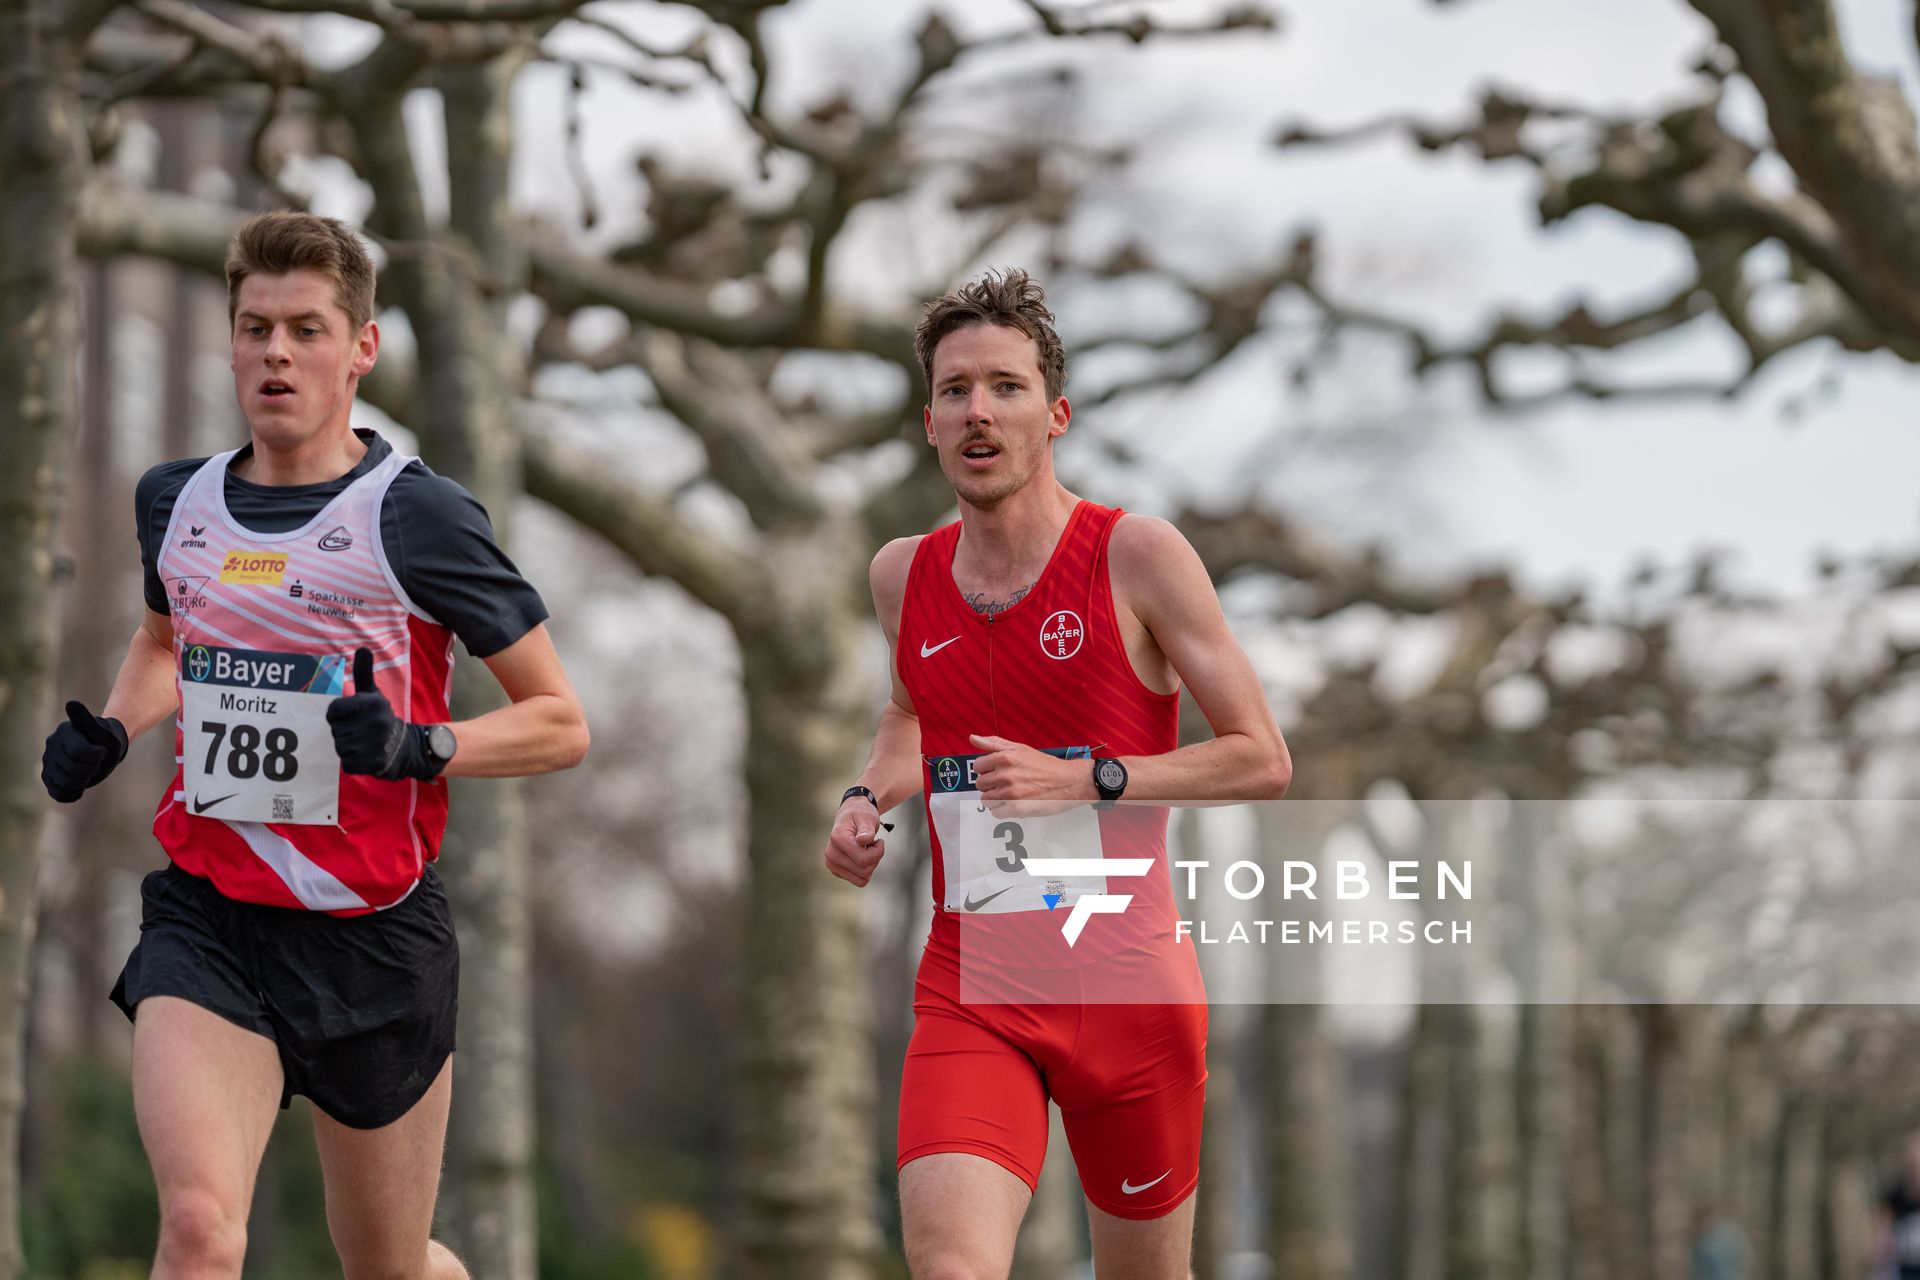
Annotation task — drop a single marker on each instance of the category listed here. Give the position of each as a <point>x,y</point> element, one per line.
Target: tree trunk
<point>806,1195</point>
<point>1309,1136</point>
<point>467,380</point>
<point>43,157</point>
<point>1547,1079</point>
<point>1421,1209</point>
<point>1588,1241</point>
<point>467,435</point>
<point>1797,1191</point>
<point>1048,1247</point>
<point>1668,1118</point>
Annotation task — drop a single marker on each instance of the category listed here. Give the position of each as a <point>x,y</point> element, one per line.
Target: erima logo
<point>196,529</point>
<point>1090,904</point>
<point>193,536</point>
<point>1060,634</point>
<point>336,539</point>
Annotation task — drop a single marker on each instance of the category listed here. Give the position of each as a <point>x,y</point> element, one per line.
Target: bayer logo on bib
<point>1061,634</point>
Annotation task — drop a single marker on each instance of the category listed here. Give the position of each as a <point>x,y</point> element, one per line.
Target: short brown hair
<point>285,240</point>
<point>1010,298</point>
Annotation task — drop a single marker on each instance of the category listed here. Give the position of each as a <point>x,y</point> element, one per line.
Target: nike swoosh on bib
<point>201,806</point>
<point>1128,1189</point>
<point>928,653</point>
<point>971,905</point>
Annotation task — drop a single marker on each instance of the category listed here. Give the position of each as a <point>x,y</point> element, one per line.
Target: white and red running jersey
<point>264,630</point>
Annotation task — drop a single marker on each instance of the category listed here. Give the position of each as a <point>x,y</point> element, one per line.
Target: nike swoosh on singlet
<point>928,653</point>
<point>971,905</point>
<point>1128,1189</point>
<point>201,806</point>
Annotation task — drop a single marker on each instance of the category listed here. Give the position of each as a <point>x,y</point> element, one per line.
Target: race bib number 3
<point>258,748</point>
<point>985,855</point>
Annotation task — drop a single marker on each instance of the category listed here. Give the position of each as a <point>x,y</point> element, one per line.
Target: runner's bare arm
<point>544,730</point>
<point>1160,578</point>
<point>892,773</point>
<point>1157,574</point>
<point>144,692</point>
<point>893,766</point>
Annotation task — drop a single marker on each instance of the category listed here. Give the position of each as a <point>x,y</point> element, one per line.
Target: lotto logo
<point>1060,634</point>
<point>257,568</point>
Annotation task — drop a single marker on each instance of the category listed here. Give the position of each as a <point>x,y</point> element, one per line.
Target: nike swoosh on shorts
<point>1128,1189</point>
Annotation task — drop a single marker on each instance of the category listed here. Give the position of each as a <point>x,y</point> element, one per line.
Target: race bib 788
<point>257,744</point>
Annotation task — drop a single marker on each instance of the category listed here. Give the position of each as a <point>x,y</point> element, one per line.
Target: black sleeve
<point>440,542</point>
<point>153,499</point>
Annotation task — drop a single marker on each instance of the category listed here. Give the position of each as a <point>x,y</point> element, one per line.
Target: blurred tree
<point>1842,230</point>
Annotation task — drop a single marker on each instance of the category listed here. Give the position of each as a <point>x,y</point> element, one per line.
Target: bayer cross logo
<point>947,773</point>
<point>1060,634</point>
<point>199,662</point>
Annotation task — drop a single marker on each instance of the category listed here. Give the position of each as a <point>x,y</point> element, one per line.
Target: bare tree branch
<point>1260,540</point>
<point>264,57</point>
<point>157,224</point>
<point>399,13</point>
<point>645,530</point>
<point>1849,137</point>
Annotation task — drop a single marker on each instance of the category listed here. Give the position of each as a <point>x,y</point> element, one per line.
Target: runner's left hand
<point>370,739</point>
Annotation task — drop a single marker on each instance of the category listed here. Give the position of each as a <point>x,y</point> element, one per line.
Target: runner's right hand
<point>81,753</point>
<point>855,847</point>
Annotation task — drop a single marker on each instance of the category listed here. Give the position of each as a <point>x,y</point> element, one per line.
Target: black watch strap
<point>872,799</point>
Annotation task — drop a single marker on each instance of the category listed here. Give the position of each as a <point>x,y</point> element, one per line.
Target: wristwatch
<point>1109,779</point>
<point>440,743</point>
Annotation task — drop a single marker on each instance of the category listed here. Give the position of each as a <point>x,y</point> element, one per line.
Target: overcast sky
<point>1578,492</point>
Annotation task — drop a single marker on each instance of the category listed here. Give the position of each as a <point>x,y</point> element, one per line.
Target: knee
<point>202,1236</point>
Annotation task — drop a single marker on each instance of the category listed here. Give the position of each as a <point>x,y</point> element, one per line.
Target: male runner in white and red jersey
<point>299,940</point>
<point>1039,645</point>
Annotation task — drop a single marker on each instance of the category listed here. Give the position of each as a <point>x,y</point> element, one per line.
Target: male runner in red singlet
<point>299,940</point>
<point>1039,645</point>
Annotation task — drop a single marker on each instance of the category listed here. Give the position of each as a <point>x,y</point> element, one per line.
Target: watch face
<point>1110,775</point>
<point>441,742</point>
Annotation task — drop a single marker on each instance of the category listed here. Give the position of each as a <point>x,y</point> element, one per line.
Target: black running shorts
<point>362,1008</point>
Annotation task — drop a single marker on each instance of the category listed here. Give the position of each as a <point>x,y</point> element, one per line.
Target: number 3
<point>1016,852</point>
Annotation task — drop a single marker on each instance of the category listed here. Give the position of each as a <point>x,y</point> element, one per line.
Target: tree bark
<point>806,1197</point>
<point>1047,1248</point>
<point>1309,1194</point>
<point>467,377</point>
<point>469,436</point>
<point>43,165</point>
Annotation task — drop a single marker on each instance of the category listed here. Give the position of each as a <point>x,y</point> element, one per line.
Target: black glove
<point>370,738</point>
<point>81,753</point>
